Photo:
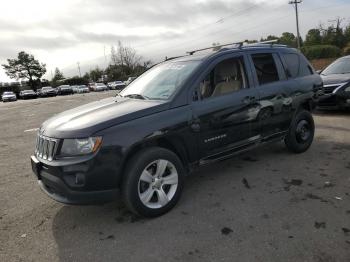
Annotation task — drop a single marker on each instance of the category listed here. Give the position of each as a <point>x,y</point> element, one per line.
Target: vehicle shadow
<point>228,200</point>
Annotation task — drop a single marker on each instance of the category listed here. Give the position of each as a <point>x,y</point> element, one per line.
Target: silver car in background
<point>8,96</point>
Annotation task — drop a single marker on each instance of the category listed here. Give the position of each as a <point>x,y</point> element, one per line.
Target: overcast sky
<point>61,33</point>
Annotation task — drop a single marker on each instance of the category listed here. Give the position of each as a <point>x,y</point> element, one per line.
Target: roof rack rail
<point>272,43</point>
<point>240,45</point>
<point>217,46</point>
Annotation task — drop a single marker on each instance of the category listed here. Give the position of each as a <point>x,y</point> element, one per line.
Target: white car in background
<point>99,87</point>
<point>118,85</point>
<point>8,96</point>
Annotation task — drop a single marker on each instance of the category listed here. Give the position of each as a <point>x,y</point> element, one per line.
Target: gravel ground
<point>264,205</point>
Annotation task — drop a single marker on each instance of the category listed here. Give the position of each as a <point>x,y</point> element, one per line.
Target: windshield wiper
<point>137,96</point>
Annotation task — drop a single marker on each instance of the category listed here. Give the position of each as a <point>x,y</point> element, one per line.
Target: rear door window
<point>265,68</point>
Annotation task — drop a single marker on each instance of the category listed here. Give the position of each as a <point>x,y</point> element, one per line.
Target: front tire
<point>153,182</point>
<point>301,132</point>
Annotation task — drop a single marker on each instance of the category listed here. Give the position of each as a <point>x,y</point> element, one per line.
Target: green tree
<point>288,39</point>
<point>25,67</point>
<point>269,38</point>
<point>86,77</point>
<point>95,74</point>
<point>313,37</point>
<point>57,77</point>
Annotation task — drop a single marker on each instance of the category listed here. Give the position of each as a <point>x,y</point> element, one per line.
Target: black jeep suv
<point>180,114</point>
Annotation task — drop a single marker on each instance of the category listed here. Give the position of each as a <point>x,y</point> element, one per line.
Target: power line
<point>217,21</point>
<point>295,3</point>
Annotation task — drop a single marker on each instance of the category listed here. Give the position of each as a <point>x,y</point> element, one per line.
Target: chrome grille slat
<point>45,147</point>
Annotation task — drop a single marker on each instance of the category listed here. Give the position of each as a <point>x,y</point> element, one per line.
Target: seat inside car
<point>227,78</point>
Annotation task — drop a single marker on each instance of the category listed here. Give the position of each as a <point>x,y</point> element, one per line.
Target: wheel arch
<point>173,144</point>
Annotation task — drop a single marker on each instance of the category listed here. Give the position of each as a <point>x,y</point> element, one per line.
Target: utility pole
<point>79,69</point>
<point>296,2</point>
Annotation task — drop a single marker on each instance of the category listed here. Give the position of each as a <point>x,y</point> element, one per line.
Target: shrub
<point>321,51</point>
<point>346,50</point>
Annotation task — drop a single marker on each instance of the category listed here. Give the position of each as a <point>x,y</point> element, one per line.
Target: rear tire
<point>301,132</point>
<point>153,182</point>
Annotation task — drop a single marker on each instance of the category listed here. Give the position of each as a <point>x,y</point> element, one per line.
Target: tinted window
<point>305,68</point>
<point>265,68</point>
<point>293,64</point>
<point>226,77</point>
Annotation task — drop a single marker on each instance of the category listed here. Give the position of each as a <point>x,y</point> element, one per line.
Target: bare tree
<point>114,56</point>
<point>125,56</point>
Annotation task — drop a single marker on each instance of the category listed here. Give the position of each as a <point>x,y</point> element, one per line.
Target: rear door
<point>275,101</point>
<point>308,82</point>
<point>224,107</point>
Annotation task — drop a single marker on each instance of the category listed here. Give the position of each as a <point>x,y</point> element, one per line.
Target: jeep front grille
<point>45,147</point>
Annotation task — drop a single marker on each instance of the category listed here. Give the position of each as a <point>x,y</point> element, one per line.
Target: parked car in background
<point>64,90</point>
<point>75,89</point>
<point>83,89</point>
<point>116,85</point>
<point>130,79</point>
<point>99,87</point>
<point>8,96</point>
<point>197,110</point>
<point>90,86</point>
<point>27,94</point>
<point>47,91</point>
<point>336,84</point>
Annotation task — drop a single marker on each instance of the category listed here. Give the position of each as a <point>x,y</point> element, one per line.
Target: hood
<point>335,79</point>
<point>88,119</point>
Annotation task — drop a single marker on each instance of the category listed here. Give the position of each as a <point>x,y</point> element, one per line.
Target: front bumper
<point>336,100</point>
<point>49,94</point>
<point>9,99</point>
<point>62,185</point>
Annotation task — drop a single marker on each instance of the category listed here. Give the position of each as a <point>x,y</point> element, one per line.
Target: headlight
<point>81,146</point>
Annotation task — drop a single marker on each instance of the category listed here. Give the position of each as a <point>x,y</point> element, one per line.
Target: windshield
<point>8,93</point>
<point>46,88</point>
<point>341,66</point>
<point>100,84</point>
<point>161,81</point>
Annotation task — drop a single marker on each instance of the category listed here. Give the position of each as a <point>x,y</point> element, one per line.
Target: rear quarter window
<point>297,65</point>
<point>293,64</point>
<point>305,67</point>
